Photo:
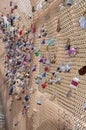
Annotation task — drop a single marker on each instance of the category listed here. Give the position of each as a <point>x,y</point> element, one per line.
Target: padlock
<point>75,82</point>
<point>69,2</point>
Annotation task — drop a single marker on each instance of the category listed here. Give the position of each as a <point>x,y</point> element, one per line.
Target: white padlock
<point>74,83</point>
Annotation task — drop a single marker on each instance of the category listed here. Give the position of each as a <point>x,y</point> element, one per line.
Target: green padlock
<point>37,53</point>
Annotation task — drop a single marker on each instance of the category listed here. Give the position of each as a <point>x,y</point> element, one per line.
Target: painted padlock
<point>75,82</point>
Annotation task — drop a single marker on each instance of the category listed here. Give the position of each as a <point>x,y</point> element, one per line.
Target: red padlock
<point>46,69</point>
<point>44,85</point>
<point>20,32</point>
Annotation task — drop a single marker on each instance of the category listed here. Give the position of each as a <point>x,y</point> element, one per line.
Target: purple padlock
<point>10,3</point>
<point>72,52</point>
<point>41,60</point>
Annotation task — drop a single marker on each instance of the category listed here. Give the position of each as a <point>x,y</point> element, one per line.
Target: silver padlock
<point>69,2</point>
